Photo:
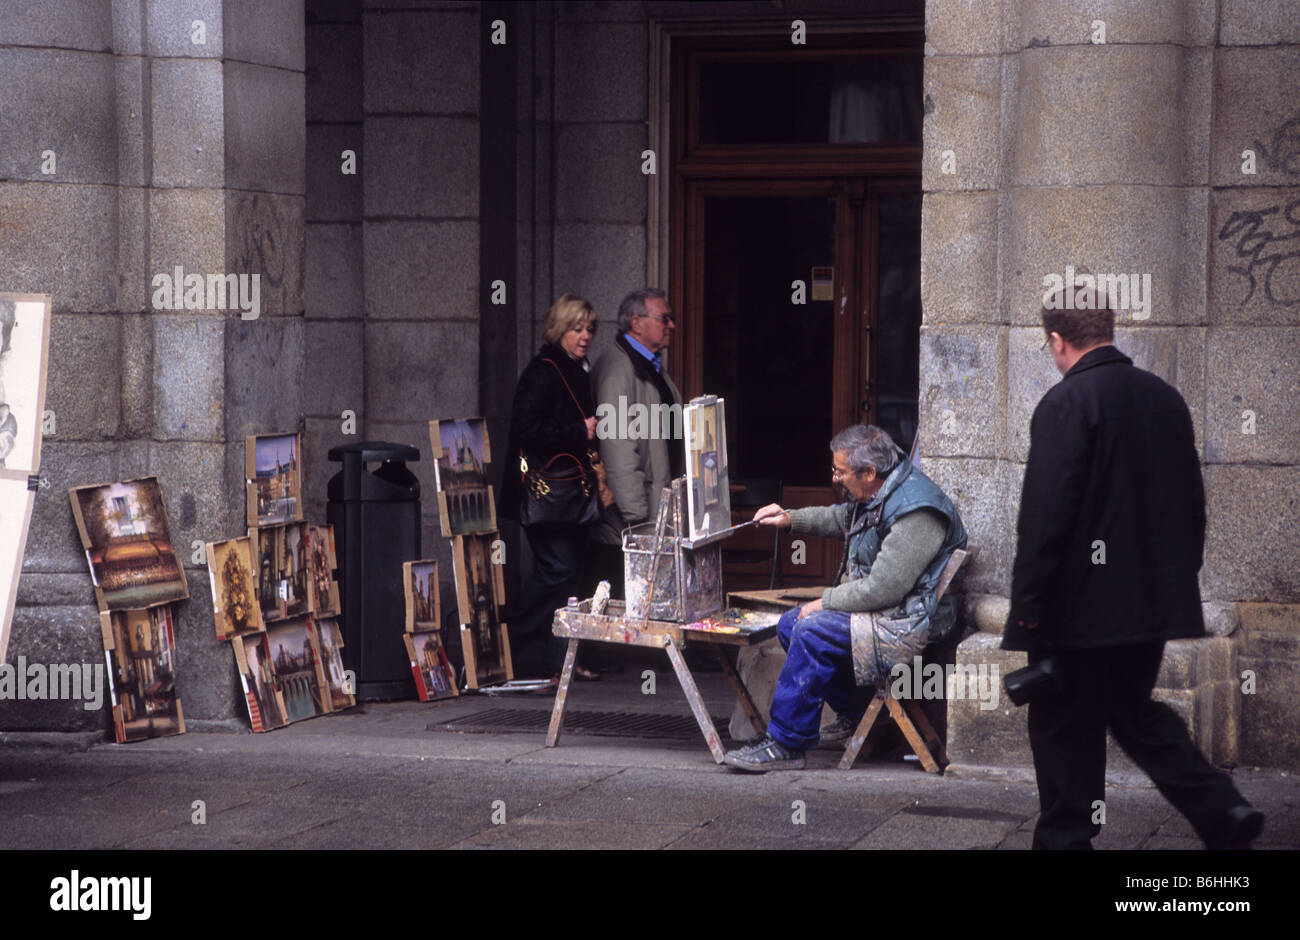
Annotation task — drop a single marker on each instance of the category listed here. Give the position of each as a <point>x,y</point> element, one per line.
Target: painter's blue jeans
<point>818,668</point>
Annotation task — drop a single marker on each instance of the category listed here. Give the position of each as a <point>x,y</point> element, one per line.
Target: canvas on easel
<point>480,594</point>
<point>465,500</point>
<point>434,677</point>
<point>707,484</point>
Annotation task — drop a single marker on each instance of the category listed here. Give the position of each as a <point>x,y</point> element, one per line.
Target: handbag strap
<point>592,455</point>
<point>567,388</point>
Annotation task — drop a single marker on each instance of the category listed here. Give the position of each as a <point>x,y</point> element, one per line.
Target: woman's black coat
<point>545,420</point>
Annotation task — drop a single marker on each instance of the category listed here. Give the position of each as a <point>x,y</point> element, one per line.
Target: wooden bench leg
<point>696,702</point>
<point>859,736</point>
<point>562,693</point>
<point>913,737</point>
<point>742,693</point>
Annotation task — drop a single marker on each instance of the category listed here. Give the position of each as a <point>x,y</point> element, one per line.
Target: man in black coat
<point>1110,540</point>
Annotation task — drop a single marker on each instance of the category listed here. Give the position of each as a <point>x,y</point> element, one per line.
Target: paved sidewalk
<point>378,777</point>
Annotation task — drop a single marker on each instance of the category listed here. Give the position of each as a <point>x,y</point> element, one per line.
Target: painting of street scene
<point>265,704</point>
<point>272,465</point>
<point>141,652</point>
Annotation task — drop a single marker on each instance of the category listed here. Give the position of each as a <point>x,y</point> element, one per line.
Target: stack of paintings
<point>275,596</point>
<point>137,578</point>
<point>467,516</point>
<point>434,677</point>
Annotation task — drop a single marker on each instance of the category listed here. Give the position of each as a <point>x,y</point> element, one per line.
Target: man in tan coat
<point>639,427</point>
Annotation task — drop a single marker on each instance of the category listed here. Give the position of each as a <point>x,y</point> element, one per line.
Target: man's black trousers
<point>1111,687</point>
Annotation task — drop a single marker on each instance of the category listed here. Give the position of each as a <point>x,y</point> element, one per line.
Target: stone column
<point>1058,137</point>
<point>177,128</point>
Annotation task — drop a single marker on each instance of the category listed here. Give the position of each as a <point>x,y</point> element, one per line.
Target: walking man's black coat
<point>1112,514</point>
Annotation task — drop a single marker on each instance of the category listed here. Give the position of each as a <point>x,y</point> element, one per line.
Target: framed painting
<point>423,606</point>
<point>124,531</point>
<point>480,595</point>
<point>140,647</point>
<point>434,677</point>
<point>282,570</point>
<point>296,665</point>
<point>273,475</point>
<point>461,452</point>
<point>707,484</point>
<point>233,575</point>
<point>323,588</point>
<point>266,708</point>
<point>337,680</point>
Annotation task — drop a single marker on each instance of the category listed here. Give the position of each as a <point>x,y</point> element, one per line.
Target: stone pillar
<point>1252,367</point>
<point>1055,137</point>
<point>177,131</point>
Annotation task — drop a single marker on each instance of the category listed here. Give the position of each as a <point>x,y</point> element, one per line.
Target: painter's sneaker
<point>838,731</point>
<point>763,755</point>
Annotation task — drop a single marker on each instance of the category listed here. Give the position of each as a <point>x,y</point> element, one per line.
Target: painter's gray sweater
<point>904,555</point>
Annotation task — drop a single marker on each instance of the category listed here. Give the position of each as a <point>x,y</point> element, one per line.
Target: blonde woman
<point>552,430</point>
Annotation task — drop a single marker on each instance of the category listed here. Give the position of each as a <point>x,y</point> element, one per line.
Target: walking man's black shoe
<point>1242,826</point>
<point>763,755</point>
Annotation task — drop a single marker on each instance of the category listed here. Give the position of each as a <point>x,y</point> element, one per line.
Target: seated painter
<point>900,530</point>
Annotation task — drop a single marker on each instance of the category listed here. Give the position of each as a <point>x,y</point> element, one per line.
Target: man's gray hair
<point>633,305</point>
<point>865,445</point>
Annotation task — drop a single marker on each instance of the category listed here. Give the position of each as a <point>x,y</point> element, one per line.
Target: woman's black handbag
<point>563,492</point>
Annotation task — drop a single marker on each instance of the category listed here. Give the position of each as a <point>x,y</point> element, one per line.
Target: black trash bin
<point>376,519</point>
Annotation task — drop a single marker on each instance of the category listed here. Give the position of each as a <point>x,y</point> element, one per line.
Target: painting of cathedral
<point>273,468</point>
<point>296,665</point>
<point>461,451</point>
<point>480,594</point>
<point>123,528</point>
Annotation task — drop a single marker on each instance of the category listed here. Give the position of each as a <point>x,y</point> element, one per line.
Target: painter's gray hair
<point>865,445</point>
<point>633,305</point>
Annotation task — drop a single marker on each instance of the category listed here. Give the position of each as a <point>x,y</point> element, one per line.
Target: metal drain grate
<point>617,724</point>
